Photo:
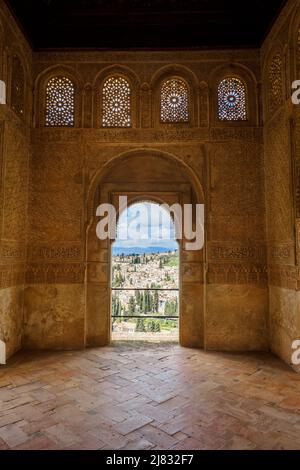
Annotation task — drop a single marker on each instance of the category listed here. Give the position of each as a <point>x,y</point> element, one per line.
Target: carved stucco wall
<point>14,161</point>
<point>280,65</point>
<point>248,174</point>
<point>228,296</point>
<point>156,175</point>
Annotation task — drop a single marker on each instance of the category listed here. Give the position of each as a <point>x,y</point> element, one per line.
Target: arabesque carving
<point>246,173</point>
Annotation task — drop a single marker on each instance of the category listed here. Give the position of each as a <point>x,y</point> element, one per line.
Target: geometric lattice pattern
<point>18,87</point>
<point>116,103</point>
<point>232,101</point>
<point>275,83</point>
<point>60,102</point>
<point>174,101</point>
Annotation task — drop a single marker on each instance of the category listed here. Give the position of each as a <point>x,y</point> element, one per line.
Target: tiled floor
<point>139,396</point>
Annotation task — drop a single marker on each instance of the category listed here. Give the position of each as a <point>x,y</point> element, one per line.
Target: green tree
<point>131,306</point>
<point>140,326</point>
<point>176,305</point>
<point>151,326</point>
<point>140,300</point>
<point>116,306</point>
<point>156,302</point>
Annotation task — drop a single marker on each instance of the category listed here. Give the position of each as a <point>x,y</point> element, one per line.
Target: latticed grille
<point>60,102</point>
<point>174,101</point>
<point>232,101</point>
<point>116,103</point>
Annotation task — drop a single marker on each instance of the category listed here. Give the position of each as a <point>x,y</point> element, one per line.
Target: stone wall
<point>241,292</point>
<point>226,296</point>
<point>15,119</point>
<point>281,138</point>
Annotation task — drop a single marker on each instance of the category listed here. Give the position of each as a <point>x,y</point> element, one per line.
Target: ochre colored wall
<point>241,292</point>
<point>280,67</point>
<point>14,162</point>
<point>228,293</point>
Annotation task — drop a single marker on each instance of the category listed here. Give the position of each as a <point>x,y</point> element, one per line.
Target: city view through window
<point>145,277</point>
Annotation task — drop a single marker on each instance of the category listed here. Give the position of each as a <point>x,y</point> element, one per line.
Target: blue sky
<point>147,225</point>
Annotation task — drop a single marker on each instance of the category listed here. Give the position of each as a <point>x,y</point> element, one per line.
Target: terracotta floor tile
<point>158,437</point>
<point>132,424</point>
<point>12,435</point>
<point>143,396</point>
<point>62,435</point>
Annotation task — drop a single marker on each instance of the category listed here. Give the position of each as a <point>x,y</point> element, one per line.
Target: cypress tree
<point>156,302</point>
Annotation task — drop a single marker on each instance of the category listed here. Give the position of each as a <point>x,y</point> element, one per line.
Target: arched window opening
<point>174,101</point>
<point>232,100</point>
<point>145,276</point>
<point>116,103</point>
<point>60,102</point>
<point>17,87</point>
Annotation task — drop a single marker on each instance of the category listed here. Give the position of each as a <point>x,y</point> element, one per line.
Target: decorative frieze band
<point>235,253</point>
<point>12,252</point>
<point>55,273</point>
<point>237,274</point>
<point>65,252</point>
<point>11,275</point>
<point>149,135</point>
<point>286,277</point>
<point>254,134</point>
<point>281,276</point>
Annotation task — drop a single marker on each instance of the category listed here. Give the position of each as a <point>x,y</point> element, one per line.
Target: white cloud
<point>145,225</point>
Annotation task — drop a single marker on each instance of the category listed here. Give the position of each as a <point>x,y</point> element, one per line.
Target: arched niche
<point>40,93</point>
<point>17,74</point>
<point>249,80</point>
<point>294,46</point>
<point>274,80</point>
<point>134,84</point>
<point>142,175</point>
<point>184,74</point>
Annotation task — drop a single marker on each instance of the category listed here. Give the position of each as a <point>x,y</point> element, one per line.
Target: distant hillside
<point>139,251</point>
